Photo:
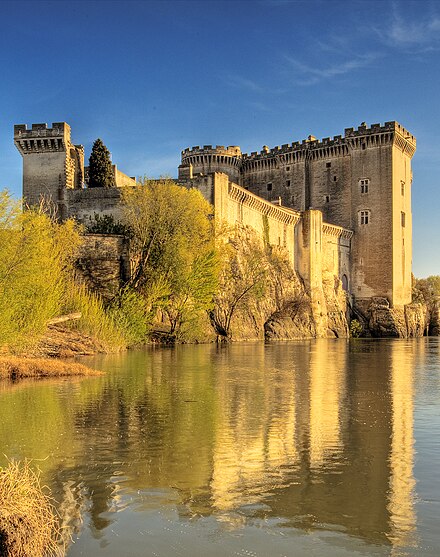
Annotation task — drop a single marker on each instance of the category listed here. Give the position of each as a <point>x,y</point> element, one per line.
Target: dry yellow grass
<point>14,367</point>
<point>28,521</point>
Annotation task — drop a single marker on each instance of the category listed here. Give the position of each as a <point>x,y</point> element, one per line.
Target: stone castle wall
<point>360,181</point>
<point>318,251</point>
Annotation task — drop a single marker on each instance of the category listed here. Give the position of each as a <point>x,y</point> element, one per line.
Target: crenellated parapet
<point>42,139</point>
<point>212,155</point>
<point>216,159</point>
<point>207,159</point>
<point>377,135</point>
<point>328,147</point>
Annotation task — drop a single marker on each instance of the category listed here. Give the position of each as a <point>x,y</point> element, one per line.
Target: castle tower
<point>51,164</point>
<point>380,200</point>
<point>211,159</point>
<point>360,181</point>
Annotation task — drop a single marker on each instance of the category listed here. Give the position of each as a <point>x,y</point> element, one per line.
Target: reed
<point>29,525</point>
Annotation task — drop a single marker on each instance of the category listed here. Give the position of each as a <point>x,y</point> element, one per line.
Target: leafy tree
<point>36,257</point>
<point>426,290</point>
<point>100,167</point>
<point>172,250</point>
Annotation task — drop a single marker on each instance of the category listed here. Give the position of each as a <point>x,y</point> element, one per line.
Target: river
<point>323,447</point>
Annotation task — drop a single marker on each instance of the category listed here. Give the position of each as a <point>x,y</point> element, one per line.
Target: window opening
<point>364,183</point>
<point>364,217</point>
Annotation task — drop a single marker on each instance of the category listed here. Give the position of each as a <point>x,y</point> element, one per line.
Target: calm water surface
<point>326,448</point>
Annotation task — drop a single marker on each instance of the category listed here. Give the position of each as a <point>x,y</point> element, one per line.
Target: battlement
<point>362,137</point>
<point>41,130</point>
<point>231,150</point>
<point>311,143</point>
<point>40,138</point>
<point>388,127</point>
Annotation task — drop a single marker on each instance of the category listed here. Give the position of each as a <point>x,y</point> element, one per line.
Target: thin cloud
<point>308,75</point>
<point>244,83</point>
<point>401,33</point>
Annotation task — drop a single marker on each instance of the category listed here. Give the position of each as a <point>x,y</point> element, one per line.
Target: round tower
<point>210,159</point>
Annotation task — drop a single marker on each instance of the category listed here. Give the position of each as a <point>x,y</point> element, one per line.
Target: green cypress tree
<point>100,167</point>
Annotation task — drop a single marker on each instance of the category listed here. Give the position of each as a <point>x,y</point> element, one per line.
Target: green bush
<point>356,328</point>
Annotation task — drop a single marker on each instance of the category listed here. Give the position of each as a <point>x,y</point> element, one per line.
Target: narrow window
<point>335,179</point>
<point>287,168</point>
<point>402,219</point>
<point>288,183</point>
<point>328,165</point>
<point>364,183</point>
<point>402,187</point>
<point>269,186</point>
<point>327,198</point>
<point>364,217</point>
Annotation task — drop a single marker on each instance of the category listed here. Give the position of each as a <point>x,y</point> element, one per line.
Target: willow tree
<point>100,167</point>
<point>172,249</point>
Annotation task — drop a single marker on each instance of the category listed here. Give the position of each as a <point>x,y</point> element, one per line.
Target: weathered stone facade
<point>360,181</point>
<point>104,263</point>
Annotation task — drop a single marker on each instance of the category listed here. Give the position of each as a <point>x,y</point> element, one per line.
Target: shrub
<point>356,328</point>
<point>28,521</point>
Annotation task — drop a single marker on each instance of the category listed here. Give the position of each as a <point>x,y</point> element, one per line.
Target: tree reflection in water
<point>318,435</point>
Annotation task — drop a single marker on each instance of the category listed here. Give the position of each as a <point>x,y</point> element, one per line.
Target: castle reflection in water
<point>315,435</point>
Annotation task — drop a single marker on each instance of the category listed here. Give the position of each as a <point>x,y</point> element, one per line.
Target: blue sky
<point>151,78</point>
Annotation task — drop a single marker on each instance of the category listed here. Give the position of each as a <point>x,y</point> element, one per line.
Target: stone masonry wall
<point>103,263</point>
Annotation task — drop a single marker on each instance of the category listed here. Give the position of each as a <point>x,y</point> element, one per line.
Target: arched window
<point>345,283</point>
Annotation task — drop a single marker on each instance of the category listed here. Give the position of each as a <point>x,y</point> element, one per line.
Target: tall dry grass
<point>13,367</point>
<point>28,520</point>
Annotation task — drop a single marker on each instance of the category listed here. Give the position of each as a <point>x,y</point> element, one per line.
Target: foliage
<point>28,522</point>
<point>133,313</point>
<point>426,290</point>
<point>106,224</point>
<point>244,267</point>
<point>100,167</point>
<point>356,328</point>
<point>36,256</point>
<point>174,266</point>
<point>37,281</point>
<point>95,319</point>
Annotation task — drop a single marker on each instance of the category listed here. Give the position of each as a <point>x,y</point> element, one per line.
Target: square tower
<point>51,164</point>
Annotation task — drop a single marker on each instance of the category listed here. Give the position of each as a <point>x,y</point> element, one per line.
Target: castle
<point>340,206</point>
